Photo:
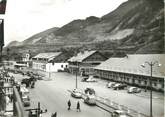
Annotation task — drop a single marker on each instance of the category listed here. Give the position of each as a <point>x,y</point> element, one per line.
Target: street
<point>53,95</point>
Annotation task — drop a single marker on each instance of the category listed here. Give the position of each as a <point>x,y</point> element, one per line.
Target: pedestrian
<point>69,105</point>
<point>55,114</point>
<point>78,106</point>
<point>30,113</point>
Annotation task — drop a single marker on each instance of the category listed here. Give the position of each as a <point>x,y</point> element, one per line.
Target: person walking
<point>54,115</point>
<point>69,104</point>
<point>78,107</point>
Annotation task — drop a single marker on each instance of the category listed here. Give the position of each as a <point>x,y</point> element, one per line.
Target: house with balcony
<point>50,62</point>
<point>84,62</point>
<point>129,70</point>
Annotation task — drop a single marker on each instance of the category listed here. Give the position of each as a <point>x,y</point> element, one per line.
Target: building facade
<point>26,59</point>
<point>49,62</point>
<point>129,70</point>
<point>84,62</point>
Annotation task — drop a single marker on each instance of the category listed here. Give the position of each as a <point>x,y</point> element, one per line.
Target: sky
<point>25,18</point>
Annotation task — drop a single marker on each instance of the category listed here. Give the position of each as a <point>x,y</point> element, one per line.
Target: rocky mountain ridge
<point>135,24</point>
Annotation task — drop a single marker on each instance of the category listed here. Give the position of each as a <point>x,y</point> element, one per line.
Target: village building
<point>84,62</point>
<point>26,59</point>
<point>24,62</point>
<point>50,62</point>
<point>129,70</point>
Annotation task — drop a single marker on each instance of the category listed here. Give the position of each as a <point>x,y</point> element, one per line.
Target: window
<point>139,81</point>
<point>66,66</point>
<point>155,84</point>
<point>145,82</point>
<point>61,66</point>
<point>163,85</point>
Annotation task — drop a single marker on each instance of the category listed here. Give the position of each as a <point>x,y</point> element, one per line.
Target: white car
<point>111,84</point>
<point>91,79</point>
<point>134,90</point>
<point>77,93</point>
<point>24,90</point>
<point>119,113</point>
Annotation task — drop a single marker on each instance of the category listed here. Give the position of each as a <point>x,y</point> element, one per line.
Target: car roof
<point>119,111</point>
<point>133,87</point>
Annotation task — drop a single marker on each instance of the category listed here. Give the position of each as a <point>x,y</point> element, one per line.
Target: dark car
<point>89,91</point>
<point>119,86</point>
<point>38,77</point>
<point>90,100</point>
<point>26,101</point>
<point>26,81</point>
<point>84,79</point>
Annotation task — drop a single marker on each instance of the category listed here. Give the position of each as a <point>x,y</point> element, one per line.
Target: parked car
<point>77,93</point>
<point>84,79</point>
<point>40,77</point>
<point>110,84</point>
<point>26,100</point>
<point>119,113</point>
<point>24,90</point>
<point>90,100</point>
<point>119,86</point>
<point>133,90</point>
<point>89,91</point>
<point>89,79</point>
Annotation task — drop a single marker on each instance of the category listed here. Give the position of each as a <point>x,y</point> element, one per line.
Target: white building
<point>49,62</point>
<point>26,59</point>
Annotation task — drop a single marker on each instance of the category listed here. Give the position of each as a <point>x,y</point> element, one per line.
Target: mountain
<point>14,43</point>
<point>42,37</point>
<point>136,26</point>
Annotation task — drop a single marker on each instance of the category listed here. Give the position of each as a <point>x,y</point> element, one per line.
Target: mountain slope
<point>40,37</point>
<point>136,23</point>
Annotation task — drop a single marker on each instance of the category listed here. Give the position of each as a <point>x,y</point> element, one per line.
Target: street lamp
<point>151,64</point>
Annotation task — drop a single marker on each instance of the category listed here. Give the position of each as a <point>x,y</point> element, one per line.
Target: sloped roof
<point>132,64</point>
<point>81,56</point>
<point>47,55</point>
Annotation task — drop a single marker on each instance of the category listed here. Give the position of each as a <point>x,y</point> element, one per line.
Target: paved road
<point>53,95</point>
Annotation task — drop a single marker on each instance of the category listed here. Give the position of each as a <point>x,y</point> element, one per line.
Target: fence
<point>18,109</point>
<point>109,105</point>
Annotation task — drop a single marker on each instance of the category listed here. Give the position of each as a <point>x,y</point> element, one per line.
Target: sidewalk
<point>9,107</point>
<point>155,95</point>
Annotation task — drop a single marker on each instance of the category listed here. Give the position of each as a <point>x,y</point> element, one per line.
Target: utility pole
<point>77,69</point>
<point>151,64</point>
<point>39,110</point>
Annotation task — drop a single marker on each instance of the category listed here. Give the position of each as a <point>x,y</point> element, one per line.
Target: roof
<point>132,64</point>
<point>47,55</point>
<point>81,56</point>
